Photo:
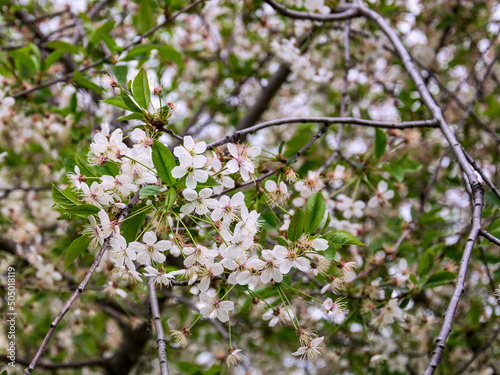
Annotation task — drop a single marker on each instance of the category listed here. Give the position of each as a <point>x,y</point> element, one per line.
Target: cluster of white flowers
<point>235,250</point>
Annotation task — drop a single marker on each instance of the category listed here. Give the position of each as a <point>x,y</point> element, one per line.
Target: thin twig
<point>483,175</point>
<point>488,273</point>
<point>484,233</point>
<point>343,102</point>
<point>481,350</point>
<point>123,214</point>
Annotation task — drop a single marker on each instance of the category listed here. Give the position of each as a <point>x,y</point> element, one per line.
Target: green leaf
<point>314,212</point>
<point>164,162</point>
<point>149,190</point>
<point>331,251</point>
<point>101,32</point>
<point>170,199</point>
<point>327,222</point>
<point>210,182</point>
<point>440,278</point>
<point>172,54</point>
<point>399,168</point>
<point>144,19</point>
<point>52,58</point>
<point>341,237</point>
<point>63,46</point>
<point>281,241</point>
<point>380,142</point>
<point>77,247</point>
<point>84,167</point>
<point>117,101</point>
<point>132,116</point>
<point>140,88</point>
<point>142,50</point>
<point>130,103</point>
<point>63,199</point>
<point>83,210</point>
<point>131,226</point>
<point>85,83</point>
<point>120,73</point>
<point>296,227</point>
<point>425,263</point>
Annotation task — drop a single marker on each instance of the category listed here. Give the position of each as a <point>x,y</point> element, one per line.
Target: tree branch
<point>91,362</point>
<point>234,137</point>
<point>161,341</point>
<point>343,15</point>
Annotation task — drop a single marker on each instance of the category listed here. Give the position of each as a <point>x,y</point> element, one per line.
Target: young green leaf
<point>77,247</point>
<point>120,72</point>
<point>210,182</point>
<point>331,251</point>
<point>140,87</point>
<point>341,237</point>
<point>149,190</point>
<point>132,116</point>
<point>170,199</point>
<point>164,162</point>
<point>81,81</point>
<point>63,199</point>
<point>84,167</point>
<point>63,46</point>
<point>425,263</point>
<point>380,142</point>
<point>83,210</point>
<point>52,58</point>
<point>172,54</point>
<point>117,101</point>
<point>440,278</point>
<point>314,212</point>
<point>131,105</point>
<point>296,227</point>
<point>132,225</point>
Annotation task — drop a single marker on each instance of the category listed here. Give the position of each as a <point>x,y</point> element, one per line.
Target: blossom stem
<point>187,230</point>
<point>232,286</point>
<point>229,332</point>
<point>147,226</point>
<point>286,298</point>
<point>175,238</point>
<point>282,209</point>
<point>195,321</point>
<point>356,188</point>
<point>286,307</point>
<point>301,292</point>
<point>272,212</point>
<point>137,212</point>
<point>342,188</point>
<point>204,229</point>
<point>138,162</point>
<point>369,183</point>
<point>256,295</point>
<point>216,229</point>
